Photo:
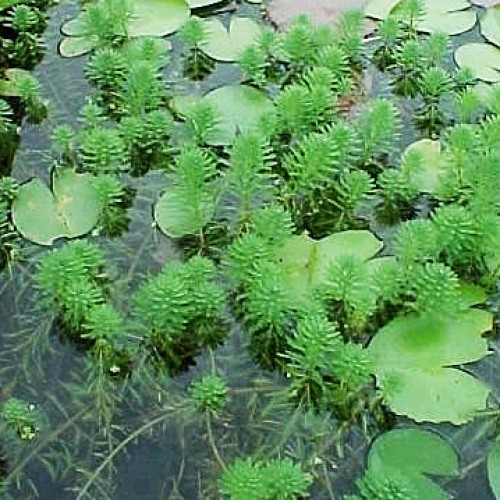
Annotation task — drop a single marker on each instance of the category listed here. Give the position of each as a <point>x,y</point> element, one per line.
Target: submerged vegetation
<point>258,278</point>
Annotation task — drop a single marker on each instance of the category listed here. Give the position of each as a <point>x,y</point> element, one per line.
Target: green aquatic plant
<point>248,179</point>
<point>349,34</point>
<point>106,69</point>
<point>114,199</point>
<point>27,87</point>
<point>408,67</point>
<point>146,139</point>
<point>10,243</point>
<point>189,203</point>
<point>22,418</point>
<point>308,356</point>
<point>353,188</point>
<point>196,64</point>
<point>63,138</point>
<point>268,322</point>
<point>434,84</point>
<point>102,150</point>
<point>201,122</point>
<point>385,54</point>
<point>249,479</point>
<point>374,486</point>
<point>6,115</point>
<point>397,186</point>
<point>435,48</point>
<point>180,311</point>
<point>70,279</point>
<point>378,125</point>
<point>209,394</point>
<point>253,64</point>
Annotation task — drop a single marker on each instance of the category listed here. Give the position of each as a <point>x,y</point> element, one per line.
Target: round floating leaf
<point>76,46</point>
<point>446,16</point>
<point>71,210</point>
<point>412,359</point>
<point>224,45</point>
<point>239,108</point>
<point>494,469</point>
<point>176,219</point>
<point>306,261</point>
<point>413,453</point>
<point>482,59</point>
<point>157,17</point>
<point>435,164</point>
<point>490,25</point>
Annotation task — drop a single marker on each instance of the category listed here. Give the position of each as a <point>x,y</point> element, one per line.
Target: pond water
<point>156,446</point>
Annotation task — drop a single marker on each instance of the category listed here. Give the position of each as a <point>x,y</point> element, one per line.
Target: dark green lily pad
<point>413,454</point>
<point>70,210</point>
<point>413,359</point>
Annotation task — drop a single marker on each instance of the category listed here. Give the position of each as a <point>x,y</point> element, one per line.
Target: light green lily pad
<point>76,46</point>
<point>306,261</point>
<point>71,210</point>
<point>157,17</point>
<point>149,18</point>
<point>227,45</point>
<point>490,25</point>
<point>435,165</point>
<point>482,59</point>
<point>413,359</point>
<point>494,469</point>
<point>176,219</point>
<point>447,16</point>
<point>239,108</point>
<point>414,453</point>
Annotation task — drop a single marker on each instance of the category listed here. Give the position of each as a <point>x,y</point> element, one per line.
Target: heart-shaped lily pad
<point>494,469</point>
<point>490,25</point>
<point>148,18</point>
<point>227,45</point>
<point>413,454</point>
<point>482,59</point>
<point>306,261</point>
<point>72,209</point>
<point>239,108</point>
<point>413,359</point>
<point>435,164</point>
<point>446,16</point>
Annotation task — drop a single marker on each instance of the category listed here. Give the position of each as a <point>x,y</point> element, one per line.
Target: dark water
<point>172,459</point>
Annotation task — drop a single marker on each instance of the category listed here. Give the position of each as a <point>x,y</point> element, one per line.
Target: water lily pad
<point>413,359</point>
<point>435,164</point>
<point>149,18</point>
<point>494,469</point>
<point>306,261</point>
<point>414,453</point>
<point>157,17</point>
<point>71,210</point>
<point>176,219</point>
<point>490,25</point>
<point>447,16</point>
<point>227,45</point>
<point>482,59</point>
